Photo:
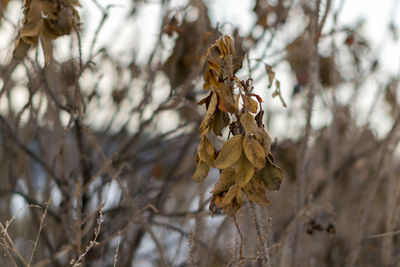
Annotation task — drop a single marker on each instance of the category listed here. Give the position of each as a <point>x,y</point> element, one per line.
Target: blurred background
<point>99,119</point>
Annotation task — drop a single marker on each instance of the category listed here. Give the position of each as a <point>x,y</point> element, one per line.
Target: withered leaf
<point>225,98</point>
<point>205,125</point>
<point>254,151</point>
<point>226,180</point>
<point>229,45</point>
<point>255,191</point>
<point>220,121</point>
<point>251,128</point>
<point>259,118</point>
<point>206,99</point>
<point>201,172</point>
<point>249,124</point>
<point>271,175</point>
<point>206,151</point>
<point>232,201</point>
<point>271,75</point>
<point>221,47</point>
<point>230,195</point>
<point>244,170</point>
<point>214,66</point>
<point>230,152</point>
<point>250,104</point>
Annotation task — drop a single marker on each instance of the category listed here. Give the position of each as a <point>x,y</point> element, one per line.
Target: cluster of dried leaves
<point>45,20</point>
<point>245,161</point>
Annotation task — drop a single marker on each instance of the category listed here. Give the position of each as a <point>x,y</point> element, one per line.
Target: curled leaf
<point>226,180</point>
<point>225,98</point>
<point>201,172</point>
<point>254,151</point>
<point>205,125</point>
<point>244,170</point>
<point>255,191</point>
<point>206,151</point>
<point>271,175</point>
<point>230,152</point>
<point>221,120</point>
<point>250,104</point>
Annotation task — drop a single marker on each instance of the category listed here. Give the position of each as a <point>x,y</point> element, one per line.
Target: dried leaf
<point>201,172</point>
<point>250,104</point>
<point>206,99</point>
<point>232,201</point>
<point>205,125</point>
<point>230,195</point>
<point>249,124</point>
<point>226,180</point>
<point>214,66</point>
<point>221,47</point>
<point>271,175</point>
<point>47,49</point>
<point>254,151</point>
<point>271,75</point>
<point>225,98</point>
<point>206,151</point>
<point>230,152</point>
<point>221,120</point>
<point>255,191</point>
<point>244,170</point>
<point>251,128</point>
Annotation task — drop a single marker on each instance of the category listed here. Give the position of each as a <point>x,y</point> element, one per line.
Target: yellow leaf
<point>230,195</point>
<point>230,152</point>
<point>226,180</point>
<point>254,151</point>
<point>206,151</point>
<point>244,170</point>
<point>205,125</point>
<point>255,191</point>
<point>201,172</point>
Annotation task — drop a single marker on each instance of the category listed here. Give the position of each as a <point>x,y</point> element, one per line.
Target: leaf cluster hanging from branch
<point>45,20</point>
<point>245,161</point>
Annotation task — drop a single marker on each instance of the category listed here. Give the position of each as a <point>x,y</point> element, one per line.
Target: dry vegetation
<point>98,147</point>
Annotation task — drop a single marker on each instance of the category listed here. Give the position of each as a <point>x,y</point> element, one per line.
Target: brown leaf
<point>271,75</point>
<point>271,175</point>
<point>47,49</point>
<point>201,172</point>
<point>221,47</point>
<point>251,128</point>
<point>255,191</point>
<point>230,152</point>
<point>254,151</point>
<point>214,66</point>
<point>221,120</point>
<point>232,201</point>
<point>230,195</point>
<point>206,151</point>
<point>205,125</point>
<point>225,98</point>
<point>206,99</point>
<point>244,170</point>
<point>250,104</point>
<point>226,180</point>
